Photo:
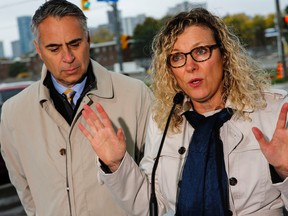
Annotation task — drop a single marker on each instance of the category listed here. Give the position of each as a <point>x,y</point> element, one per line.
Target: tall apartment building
<point>130,23</point>
<point>26,36</point>
<point>127,24</point>
<point>16,48</point>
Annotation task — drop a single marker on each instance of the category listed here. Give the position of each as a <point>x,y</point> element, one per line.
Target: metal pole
<point>117,36</point>
<point>280,37</point>
<point>186,6</point>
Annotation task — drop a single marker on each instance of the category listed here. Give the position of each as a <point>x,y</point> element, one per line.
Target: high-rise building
<point>16,48</point>
<point>130,23</point>
<point>185,6</point>
<point>127,24</point>
<point>1,50</point>
<point>26,37</point>
<point>112,21</point>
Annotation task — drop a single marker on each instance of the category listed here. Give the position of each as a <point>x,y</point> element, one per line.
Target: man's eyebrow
<point>70,42</point>
<point>74,41</point>
<point>52,45</point>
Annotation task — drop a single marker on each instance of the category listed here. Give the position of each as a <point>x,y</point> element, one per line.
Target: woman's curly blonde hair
<point>244,80</point>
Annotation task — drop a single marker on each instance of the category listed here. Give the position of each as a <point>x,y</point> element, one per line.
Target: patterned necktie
<point>69,94</point>
<point>204,184</point>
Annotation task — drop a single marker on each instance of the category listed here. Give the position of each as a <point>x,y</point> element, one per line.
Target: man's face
<point>64,47</point>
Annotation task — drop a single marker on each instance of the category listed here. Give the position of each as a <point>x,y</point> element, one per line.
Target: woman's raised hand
<point>109,146</point>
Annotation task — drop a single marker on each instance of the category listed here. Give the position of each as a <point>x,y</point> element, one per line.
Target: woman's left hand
<point>276,151</point>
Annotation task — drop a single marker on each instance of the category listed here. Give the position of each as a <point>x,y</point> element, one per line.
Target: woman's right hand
<point>109,146</point>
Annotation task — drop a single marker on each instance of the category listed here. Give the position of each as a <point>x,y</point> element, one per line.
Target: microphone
<point>153,206</point>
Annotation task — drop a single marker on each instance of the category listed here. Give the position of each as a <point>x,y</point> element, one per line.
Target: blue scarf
<point>204,184</point>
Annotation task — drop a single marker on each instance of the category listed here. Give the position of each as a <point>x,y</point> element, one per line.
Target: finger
<point>91,123</point>
<point>85,132</point>
<point>91,117</point>
<point>121,136</point>
<point>90,113</point>
<point>259,137</point>
<point>104,116</point>
<point>281,123</point>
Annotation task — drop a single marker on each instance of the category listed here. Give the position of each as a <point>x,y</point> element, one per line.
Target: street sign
<point>107,0</point>
<point>271,32</point>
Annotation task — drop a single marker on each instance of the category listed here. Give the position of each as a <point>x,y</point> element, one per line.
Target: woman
<point>226,152</point>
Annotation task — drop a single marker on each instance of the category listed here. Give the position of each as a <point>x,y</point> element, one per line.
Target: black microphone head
<point>178,98</point>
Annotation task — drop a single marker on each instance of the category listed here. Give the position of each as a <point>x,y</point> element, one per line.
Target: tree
<point>286,10</point>
<point>101,35</point>
<point>258,27</point>
<point>269,21</point>
<point>143,37</point>
<point>241,25</point>
<point>250,30</point>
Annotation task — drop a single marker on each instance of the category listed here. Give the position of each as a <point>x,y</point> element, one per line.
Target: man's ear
<point>37,48</point>
<point>88,38</point>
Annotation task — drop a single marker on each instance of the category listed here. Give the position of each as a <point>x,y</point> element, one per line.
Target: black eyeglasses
<point>198,54</point>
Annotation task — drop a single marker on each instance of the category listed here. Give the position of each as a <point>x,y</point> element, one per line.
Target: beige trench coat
<point>251,194</point>
<point>33,135</point>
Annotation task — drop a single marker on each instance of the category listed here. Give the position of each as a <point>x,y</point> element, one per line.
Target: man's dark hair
<point>60,9</point>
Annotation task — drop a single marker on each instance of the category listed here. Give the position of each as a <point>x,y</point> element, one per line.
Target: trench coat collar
<point>104,85</point>
<point>187,106</point>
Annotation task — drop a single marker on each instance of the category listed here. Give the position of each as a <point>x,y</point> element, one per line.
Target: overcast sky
<point>10,10</point>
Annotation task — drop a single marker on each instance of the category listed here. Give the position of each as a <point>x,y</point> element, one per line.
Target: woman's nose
<point>191,64</point>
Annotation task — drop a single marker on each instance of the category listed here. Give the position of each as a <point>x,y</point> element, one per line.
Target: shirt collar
<point>78,88</point>
<point>60,88</point>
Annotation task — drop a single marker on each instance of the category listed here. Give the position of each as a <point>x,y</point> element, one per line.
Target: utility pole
<point>186,6</point>
<point>280,38</point>
<point>117,35</point>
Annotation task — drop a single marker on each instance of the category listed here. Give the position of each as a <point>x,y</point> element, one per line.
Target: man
<point>50,162</point>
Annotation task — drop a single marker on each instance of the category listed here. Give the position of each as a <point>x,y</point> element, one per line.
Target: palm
<point>109,146</point>
<point>276,150</point>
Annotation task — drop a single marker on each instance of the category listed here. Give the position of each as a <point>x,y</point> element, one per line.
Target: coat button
<point>230,213</point>
<point>233,181</point>
<point>62,151</point>
<point>182,150</point>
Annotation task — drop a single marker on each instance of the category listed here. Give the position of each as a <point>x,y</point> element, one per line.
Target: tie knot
<point>69,93</point>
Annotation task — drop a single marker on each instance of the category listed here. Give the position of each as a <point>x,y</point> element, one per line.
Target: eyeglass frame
<point>210,47</point>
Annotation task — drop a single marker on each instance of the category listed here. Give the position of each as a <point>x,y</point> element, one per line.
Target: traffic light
<point>85,4</point>
<point>285,21</point>
<point>124,41</point>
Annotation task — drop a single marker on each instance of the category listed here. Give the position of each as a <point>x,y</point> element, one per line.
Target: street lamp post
<point>117,31</point>
<point>117,35</point>
<point>280,38</point>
